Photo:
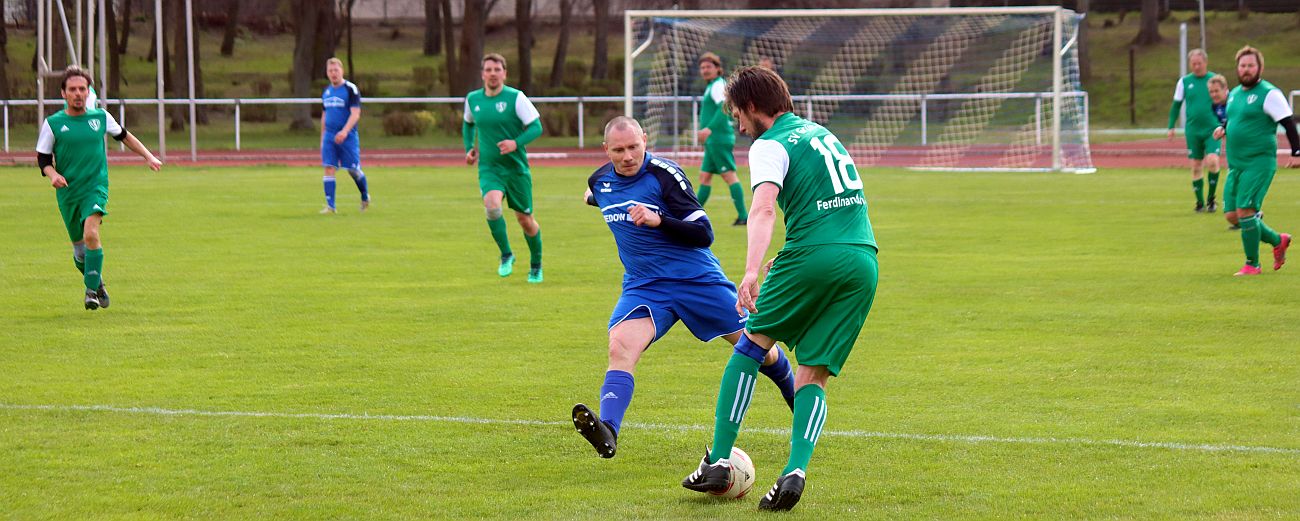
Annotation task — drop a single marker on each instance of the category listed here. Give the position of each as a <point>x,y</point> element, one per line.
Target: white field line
<point>946,438</point>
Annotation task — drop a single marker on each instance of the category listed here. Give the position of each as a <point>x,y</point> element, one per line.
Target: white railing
<point>805,101</point>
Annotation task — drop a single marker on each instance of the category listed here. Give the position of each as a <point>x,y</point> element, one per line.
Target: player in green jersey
<point>819,288</point>
<point>1193,92</point>
<point>718,136</point>
<point>499,123</point>
<point>1255,109</point>
<point>70,151</point>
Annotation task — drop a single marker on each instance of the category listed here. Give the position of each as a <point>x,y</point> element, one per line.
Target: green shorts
<point>816,299</point>
<point>76,207</point>
<point>1199,144</point>
<point>718,158</point>
<point>518,188</point>
<point>1246,188</point>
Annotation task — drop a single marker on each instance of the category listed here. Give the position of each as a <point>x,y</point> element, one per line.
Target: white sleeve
<point>718,92</point>
<point>45,141</point>
<point>1178,91</point>
<point>525,111</point>
<point>1275,105</point>
<point>768,163</point>
<point>469,116</point>
<point>111,125</point>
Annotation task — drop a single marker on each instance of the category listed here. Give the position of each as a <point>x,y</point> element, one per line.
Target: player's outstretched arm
<point>136,146</point>
<point>762,218</point>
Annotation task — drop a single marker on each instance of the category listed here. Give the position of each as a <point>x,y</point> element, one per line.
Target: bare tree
<point>1085,61</point>
<point>1149,33</point>
<point>346,6</point>
<point>432,27</point>
<point>232,27</point>
<point>600,63</point>
<point>126,27</point>
<point>448,43</point>
<point>114,53</point>
<point>524,35</point>
<point>473,26</point>
<point>4,59</point>
<point>561,46</point>
<point>315,37</point>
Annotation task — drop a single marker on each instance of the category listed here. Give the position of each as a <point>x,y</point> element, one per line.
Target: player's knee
<point>355,172</point>
<point>525,220</point>
<point>705,177</point>
<point>751,349</point>
<point>623,351</point>
<point>493,212</point>
<point>1231,217</point>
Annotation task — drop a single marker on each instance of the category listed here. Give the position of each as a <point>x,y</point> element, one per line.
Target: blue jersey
<point>647,254</point>
<point>338,102</point>
<point>1221,112</point>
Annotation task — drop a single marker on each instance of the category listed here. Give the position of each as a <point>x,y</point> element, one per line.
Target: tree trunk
<point>232,27</point>
<point>348,14</point>
<point>449,45</point>
<point>180,65</point>
<point>4,59</point>
<point>524,35</point>
<point>472,32</point>
<point>600,63</point>
<point>126,27</point>
<point>114,55</point>
<point>1085,62</point>
<point>315,37</point>
<point>1149,33</point>
<point>561,46</point>
<point>432,27</point>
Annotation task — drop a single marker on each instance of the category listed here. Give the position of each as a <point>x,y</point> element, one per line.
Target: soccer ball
<point>742,475</point>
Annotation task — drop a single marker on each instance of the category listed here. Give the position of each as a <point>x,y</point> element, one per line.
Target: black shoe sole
<point>588,425</point>
<point>92,305</point>
<point>785,500</point>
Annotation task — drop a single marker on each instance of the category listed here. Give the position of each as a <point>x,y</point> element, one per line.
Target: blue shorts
<point>707,309</point>
<point>341,155</point>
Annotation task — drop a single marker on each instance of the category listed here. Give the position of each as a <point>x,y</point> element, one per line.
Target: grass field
<point>1042,346</point>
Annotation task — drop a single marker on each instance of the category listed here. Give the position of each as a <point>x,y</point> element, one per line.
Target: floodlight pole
<point>40,63</point>
<point>627,63</point>
<point>1056,88</point>
<point>103,53</point>
<point>1201,6</point>
<point>158,58</point>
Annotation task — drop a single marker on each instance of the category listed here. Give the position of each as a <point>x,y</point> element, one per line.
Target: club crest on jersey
<point>501,106</point>
<point>94,125</point>
<point>1250,100</point>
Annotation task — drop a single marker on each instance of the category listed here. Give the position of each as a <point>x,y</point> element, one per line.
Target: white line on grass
<point>157,411</point>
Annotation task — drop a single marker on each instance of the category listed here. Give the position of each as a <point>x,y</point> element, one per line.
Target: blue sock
<point>615,396</point>
<point>359,177</point>
<point>780,374</point>
<point>329,191</point>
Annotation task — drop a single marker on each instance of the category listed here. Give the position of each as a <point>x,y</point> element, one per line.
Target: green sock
<point>1249,240</point>
<point>94,268</point>
<point>534,249</point>
<point>1267,234</point>
<point>733,400</point>
<point>738,198</point>
<point>1214,183</point>
<point>703,194</point>
<point>1198,186</point>
<point>809,417</point>
<point>498,228</point>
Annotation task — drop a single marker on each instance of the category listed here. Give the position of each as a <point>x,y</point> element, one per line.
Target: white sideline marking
<point>957,438</point>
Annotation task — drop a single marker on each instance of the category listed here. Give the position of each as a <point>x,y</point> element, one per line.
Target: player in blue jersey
<point>340,147</point>
<point>663,239</point>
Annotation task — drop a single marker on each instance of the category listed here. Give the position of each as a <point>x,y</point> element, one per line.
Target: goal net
<point>963,88</point>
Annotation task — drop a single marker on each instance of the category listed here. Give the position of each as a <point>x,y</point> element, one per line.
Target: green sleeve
<point>1173,112</point>
<point>531,132</point>
<point>467,134</point>
<point>719,121</point>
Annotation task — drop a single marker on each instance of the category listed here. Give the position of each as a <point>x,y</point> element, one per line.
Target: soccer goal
<point>952,88</point>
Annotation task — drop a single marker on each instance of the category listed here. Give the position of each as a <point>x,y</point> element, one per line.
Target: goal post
<point>933,88</point>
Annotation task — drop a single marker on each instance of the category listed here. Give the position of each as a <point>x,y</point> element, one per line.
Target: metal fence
<point>804,103</point>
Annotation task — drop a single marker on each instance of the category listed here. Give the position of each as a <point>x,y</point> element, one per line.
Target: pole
<point>1201,6</point>
<point>189,50</point>
<point>581,141</point>
<point>627,64</point>
<point>40,63</point>
<point>1182,66</point>
<point>158,59</point>
<point>1058,22</point>
<point>103,52</point>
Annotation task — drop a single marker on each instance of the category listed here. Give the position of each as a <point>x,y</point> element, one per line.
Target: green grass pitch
<point>1042,346</point>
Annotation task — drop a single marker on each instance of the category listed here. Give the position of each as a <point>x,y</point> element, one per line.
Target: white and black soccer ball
<point>741,480</point>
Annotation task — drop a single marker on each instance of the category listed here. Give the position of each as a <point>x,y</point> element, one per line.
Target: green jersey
<point>507,115</point>
<point>1252,125</point>
<point>713,114</point>
<point>77,143</point>
<point>821,191</point>
<point>1194,92</point>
